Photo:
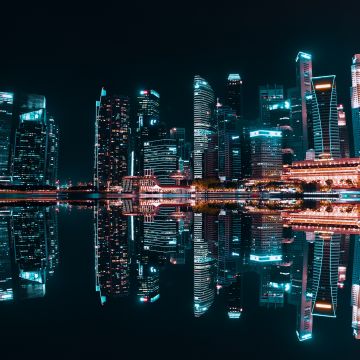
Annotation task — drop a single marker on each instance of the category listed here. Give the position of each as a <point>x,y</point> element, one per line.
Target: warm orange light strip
<point>323,86</point>
<point>323,306</point>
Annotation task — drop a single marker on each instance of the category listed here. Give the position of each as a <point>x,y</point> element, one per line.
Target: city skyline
<point>70,73</point>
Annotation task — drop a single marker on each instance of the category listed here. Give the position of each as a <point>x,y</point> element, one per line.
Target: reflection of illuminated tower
<point>234,298</point>
<point>6,283</point>
<point>302,284</point>
<point>204,284</point>
<point>325,277</point>
<point>161,233</point>
<point>266,237</point>
<point>148,279</point>
<point>111,252</point>
<point>229,242</point>
<point>34,237</point>
<point>355,290</point>
<point>204,103</point>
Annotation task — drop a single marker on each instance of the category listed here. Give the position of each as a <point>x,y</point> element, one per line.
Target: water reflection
<point>300,255</point>
<point>29,251</point>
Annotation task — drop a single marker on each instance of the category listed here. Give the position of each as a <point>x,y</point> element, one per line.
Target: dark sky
<point>67,52</point>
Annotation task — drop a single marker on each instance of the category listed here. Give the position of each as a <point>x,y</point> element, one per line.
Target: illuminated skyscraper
<point>325,276</point>
<point>29,160</point>
<point>111,252</point>
<point>52,152</point>
<point>6,125</point>
<point>355,289</point>
<point>280,118</point>
<point>111,140</point>
<point>234,98</point>
<point>325,117</point>
<point>343,133</point>
<point>266,154</point>
<point>355,102</point>
<point>161,159</point>
<point>269,95</point>
<point>204,105</point>
<point>148,126</point>
<point>303,116</point>
<point>229,143</point>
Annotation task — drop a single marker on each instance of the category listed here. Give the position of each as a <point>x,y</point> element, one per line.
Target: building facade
<point>269,95</point>
<point>343,133</point>
<point>204,105</point>
<point>325,117</point>
<point>111,140</point>
<point>234,96</point>
<point>266,154</point>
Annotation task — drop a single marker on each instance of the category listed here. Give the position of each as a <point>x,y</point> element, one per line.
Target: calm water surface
<point>168,280</point>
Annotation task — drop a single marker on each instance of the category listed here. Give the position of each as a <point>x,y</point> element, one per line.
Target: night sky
<point>67,52</point>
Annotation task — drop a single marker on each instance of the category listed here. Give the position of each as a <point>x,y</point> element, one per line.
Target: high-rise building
<point>204,105</point>
<point>266,154</point>
<point>6,126</point>
<point>280,118</point>
<point>268,95</point>
<point>52,152</point>
<point>325,276</point>
<point>29,165</point>
<point>355,102</point>
<point>303,102</point>
<point>343,133</point>
<point>148,126</point>
<point>111,140</point>
<point>234,96</point>
<point>161,159</point>
<point>325,117</point>
<point>229,143</point>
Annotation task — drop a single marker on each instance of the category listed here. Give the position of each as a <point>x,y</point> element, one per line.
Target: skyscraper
<point>111,140</point>
<point>355,102</point>
<point>30,148</point>
<point>234,96</point>
<point>161,159</point>
<point>52,152</point>
<point>269,95</point>
<point>266,155</point>
<point>343,133</point>
<point>325,117</point>
<point>204,105</point>
<point>148,126</point>
<point>229,143</point>
<point>6,125</point>
<point>303,84</point>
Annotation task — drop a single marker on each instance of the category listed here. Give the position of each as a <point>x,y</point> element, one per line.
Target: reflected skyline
<point>292,262</point>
